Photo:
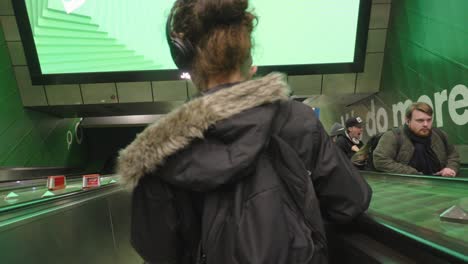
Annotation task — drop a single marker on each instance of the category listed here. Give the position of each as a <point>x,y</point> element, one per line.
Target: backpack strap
<point>294,175</point>
<point>282,115</point>
<point>397,133</point>
<point>442,136</point>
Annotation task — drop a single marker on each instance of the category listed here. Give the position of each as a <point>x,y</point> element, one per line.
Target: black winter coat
<point>345,144</point>
<point>210,155</point>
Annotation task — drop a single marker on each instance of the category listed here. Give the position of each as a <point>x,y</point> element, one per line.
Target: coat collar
<point>177,129</point>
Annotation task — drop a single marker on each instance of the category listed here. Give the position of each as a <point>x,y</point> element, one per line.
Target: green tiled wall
<point>29,138</point>
<point>426,54</point>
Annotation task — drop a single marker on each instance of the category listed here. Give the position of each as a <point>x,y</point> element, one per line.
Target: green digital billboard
<point>70,41</point>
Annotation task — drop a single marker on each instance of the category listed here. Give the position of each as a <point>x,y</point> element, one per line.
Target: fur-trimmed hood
<point>190,122</point>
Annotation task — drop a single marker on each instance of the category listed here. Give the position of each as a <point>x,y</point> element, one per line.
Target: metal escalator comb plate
<point>455,214</point>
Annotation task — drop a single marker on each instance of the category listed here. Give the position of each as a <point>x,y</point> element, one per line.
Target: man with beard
<point>350,141</point>
<point>421,149</point>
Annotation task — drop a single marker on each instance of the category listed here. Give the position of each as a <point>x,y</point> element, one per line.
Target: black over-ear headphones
<point>182,50</point>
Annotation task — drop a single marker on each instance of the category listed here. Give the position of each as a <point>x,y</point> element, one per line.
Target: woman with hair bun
<point>205,189</point>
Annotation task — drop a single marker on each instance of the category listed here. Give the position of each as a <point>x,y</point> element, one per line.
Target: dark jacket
<point>215,145</point>
<point>387,159</point>
<point>345,144</point>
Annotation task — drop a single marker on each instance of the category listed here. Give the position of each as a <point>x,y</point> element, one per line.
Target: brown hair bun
<point>220,12</point>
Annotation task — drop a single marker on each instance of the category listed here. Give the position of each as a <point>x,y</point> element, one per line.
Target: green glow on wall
<point>29,138</point>
<point>426,59</point>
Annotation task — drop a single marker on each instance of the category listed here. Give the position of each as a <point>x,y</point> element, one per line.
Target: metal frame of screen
<point>38,78</point>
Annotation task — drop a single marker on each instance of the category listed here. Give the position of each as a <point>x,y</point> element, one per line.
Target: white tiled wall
<point>99,93</point>
<point>132,92</point>
<point>343,83</point>
<point>67,94</point>
<point>359,84</point>
<point>379,16</point>
<point>305,85</point>
<point>6,8</point>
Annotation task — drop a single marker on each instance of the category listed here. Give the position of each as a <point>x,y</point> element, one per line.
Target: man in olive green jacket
<point>416,149</point>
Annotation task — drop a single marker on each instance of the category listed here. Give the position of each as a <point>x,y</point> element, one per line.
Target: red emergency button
<point>56,182</point>
<point>91,181</point>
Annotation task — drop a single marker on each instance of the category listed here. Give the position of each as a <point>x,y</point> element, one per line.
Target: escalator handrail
<point>32,203</point>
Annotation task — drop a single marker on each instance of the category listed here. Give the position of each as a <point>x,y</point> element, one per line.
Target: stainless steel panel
<point>119,121</point>
<point>97,110</point>
<point>90,228</point>
<point>120,206</point>
<point>78,235</point>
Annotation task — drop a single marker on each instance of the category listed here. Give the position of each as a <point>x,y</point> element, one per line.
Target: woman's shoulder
<point>302,111</point>
<point>301,119</point>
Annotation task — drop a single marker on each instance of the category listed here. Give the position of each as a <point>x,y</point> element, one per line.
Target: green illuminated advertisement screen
<point>69,41</point>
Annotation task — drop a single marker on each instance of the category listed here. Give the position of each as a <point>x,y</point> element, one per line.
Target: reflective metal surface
<point>119,121</point>
<point>12,174</point>
<point>411,205</point>
<point>19,193</point>
<point>96,110</point>
<point>78,227</point>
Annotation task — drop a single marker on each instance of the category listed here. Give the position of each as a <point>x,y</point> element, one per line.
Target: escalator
<point>70,225</point>
<point>408,221</point>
